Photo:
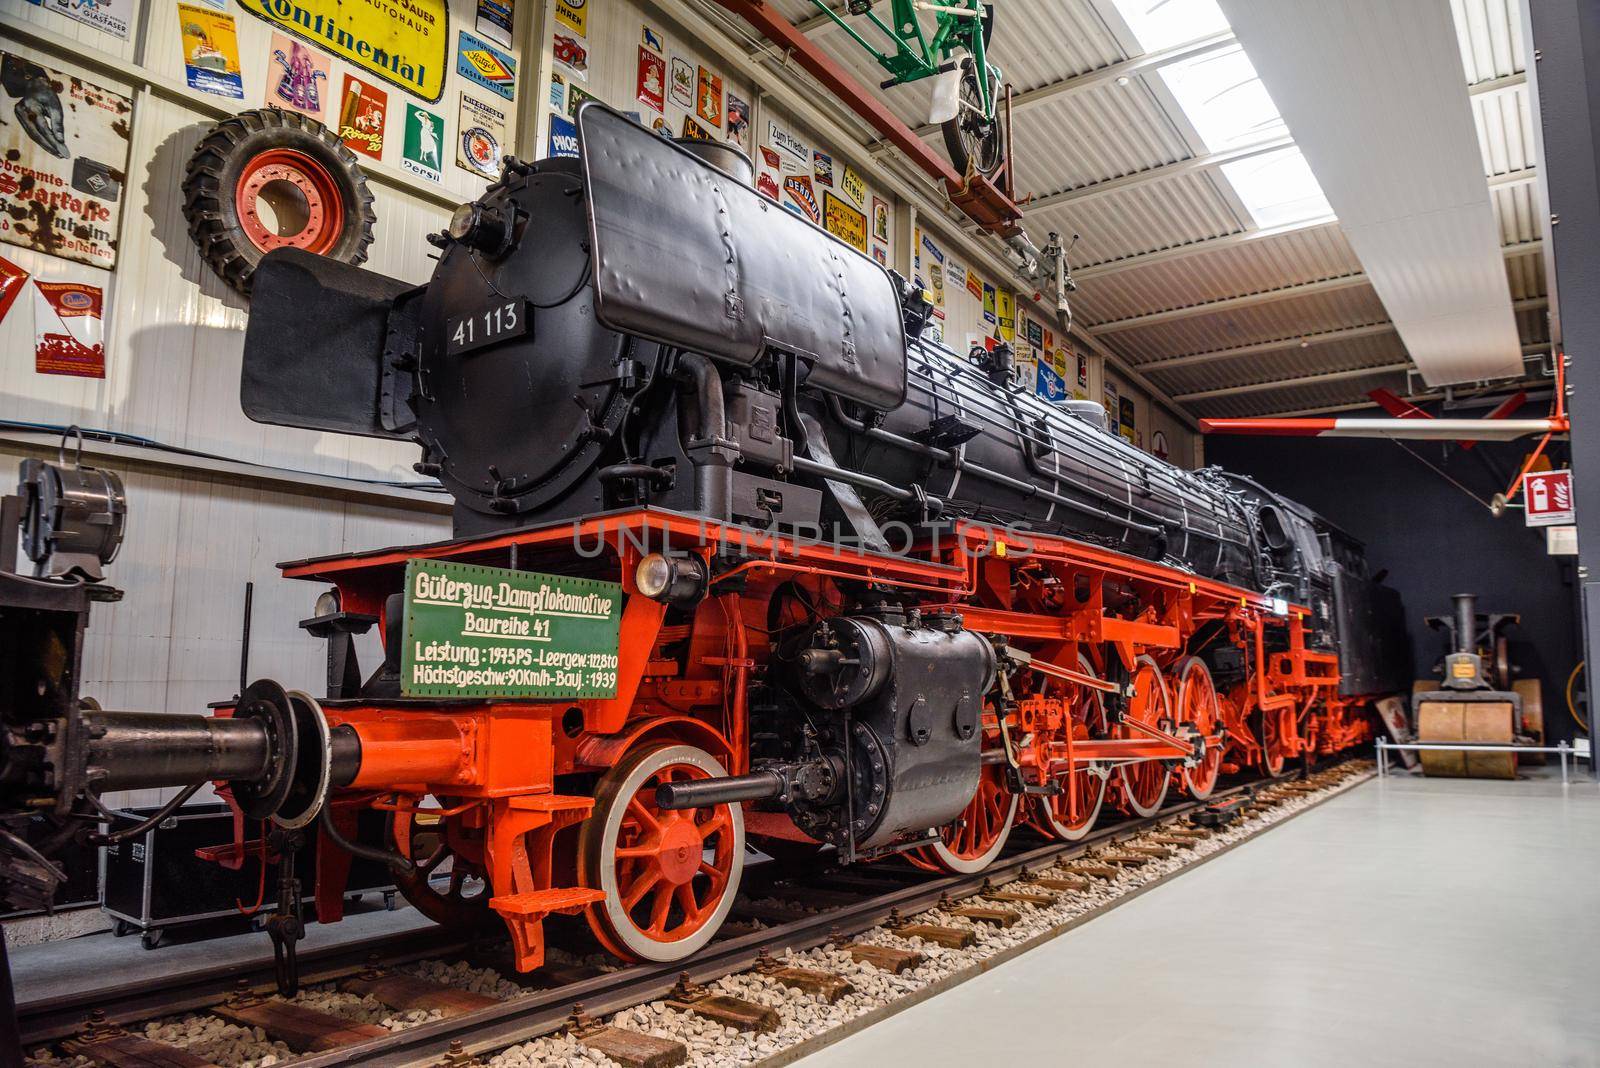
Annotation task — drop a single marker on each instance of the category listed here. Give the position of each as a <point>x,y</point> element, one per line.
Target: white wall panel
<point>173,643</point>
<point>175,333</point>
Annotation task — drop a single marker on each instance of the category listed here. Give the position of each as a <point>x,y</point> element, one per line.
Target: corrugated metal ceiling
<point>1373,351</point>
<point>1275,321</point>
<point>1141,218</point>
<point>1285,260</point>
<point>1078,139</point>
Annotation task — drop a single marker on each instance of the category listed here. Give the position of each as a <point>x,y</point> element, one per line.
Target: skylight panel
<point>1278,188</point>
<point>1224,99</point>
<point>1163,23</point>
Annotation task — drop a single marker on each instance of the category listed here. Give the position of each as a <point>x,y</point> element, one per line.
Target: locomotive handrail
<point>952,458</point>
<point>1069,446</point>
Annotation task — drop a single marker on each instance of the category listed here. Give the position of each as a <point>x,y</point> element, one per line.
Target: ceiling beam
<point>1204,161</point>
<point>1348,333</point>
<point>1244,237</point>
<point>816,22</point>
<point>1325,376</point>
<point>1269,296</point>
<point>1210,244</point>
<point>1537,390</point>
<point>1494,85</point>
<point>1290,383</point>
<point>1517,177</point>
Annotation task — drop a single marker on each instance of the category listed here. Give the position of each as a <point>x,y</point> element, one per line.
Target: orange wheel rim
<point>1082,787</point>
<point>1144,782</point>
<point>317,215</point>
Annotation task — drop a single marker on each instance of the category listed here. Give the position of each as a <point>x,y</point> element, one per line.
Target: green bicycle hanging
<point>964,100</point>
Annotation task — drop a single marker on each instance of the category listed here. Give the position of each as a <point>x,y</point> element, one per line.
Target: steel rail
<point>52,1019</point>
<point>541,1012</point>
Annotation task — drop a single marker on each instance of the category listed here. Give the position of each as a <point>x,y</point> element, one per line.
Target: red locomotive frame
<point>505,789</point>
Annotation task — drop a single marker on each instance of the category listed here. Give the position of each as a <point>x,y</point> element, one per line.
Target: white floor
<point>1408,922</point>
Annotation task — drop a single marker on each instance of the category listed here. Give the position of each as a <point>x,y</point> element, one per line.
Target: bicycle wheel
<point>973,138</point>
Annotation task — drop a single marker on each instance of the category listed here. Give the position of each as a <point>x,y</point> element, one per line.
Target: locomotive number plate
<point>488,326</point>
<point>476,631</point>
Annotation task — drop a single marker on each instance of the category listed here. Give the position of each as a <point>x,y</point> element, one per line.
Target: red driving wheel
<point>669,876</point>
<point>1280,736</point>
<point>303,196</point>
<point>975,838</point>
<point>1069,814</point>
<point>1144,782</point>
<point>1199,710</point>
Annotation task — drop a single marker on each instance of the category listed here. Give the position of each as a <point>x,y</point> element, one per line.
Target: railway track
<point>790,915</point>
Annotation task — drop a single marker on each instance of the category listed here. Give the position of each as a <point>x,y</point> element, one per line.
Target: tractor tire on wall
<point>285,153</point>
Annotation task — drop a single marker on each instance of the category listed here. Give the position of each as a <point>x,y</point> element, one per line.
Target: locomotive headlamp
<point>671,579</point>
<point>327,603</point>
<point>462,221</point>
<point>72,517</point>
<point>480,226</point>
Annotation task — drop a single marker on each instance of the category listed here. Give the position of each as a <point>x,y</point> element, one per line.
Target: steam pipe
<point>724,790</point>
<point>708,413</point>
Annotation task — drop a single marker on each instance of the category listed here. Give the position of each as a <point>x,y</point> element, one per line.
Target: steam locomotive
<point>846,588</point>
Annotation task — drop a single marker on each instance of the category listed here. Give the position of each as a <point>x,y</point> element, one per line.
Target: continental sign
<point>404,42</point>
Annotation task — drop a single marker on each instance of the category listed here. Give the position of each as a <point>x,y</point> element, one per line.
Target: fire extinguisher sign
<point>1547,498</point>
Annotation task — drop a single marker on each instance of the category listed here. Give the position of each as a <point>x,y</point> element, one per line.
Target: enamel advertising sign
<point>403,42</point>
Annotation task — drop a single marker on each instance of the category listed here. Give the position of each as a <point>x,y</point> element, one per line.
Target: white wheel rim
<point>1193,664</point>
<point>1069,834</point>
<point>1061,830</point>
<point>968,865</point>
<point>1125,771</point>
<point>627,933</point>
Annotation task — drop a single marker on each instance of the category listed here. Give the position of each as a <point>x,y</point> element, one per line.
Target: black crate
<point>156,881</point>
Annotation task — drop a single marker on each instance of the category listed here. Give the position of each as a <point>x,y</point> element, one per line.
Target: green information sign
<point>474,631</point>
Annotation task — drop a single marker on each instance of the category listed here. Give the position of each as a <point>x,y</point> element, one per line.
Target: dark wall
<point>1433,538</point>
